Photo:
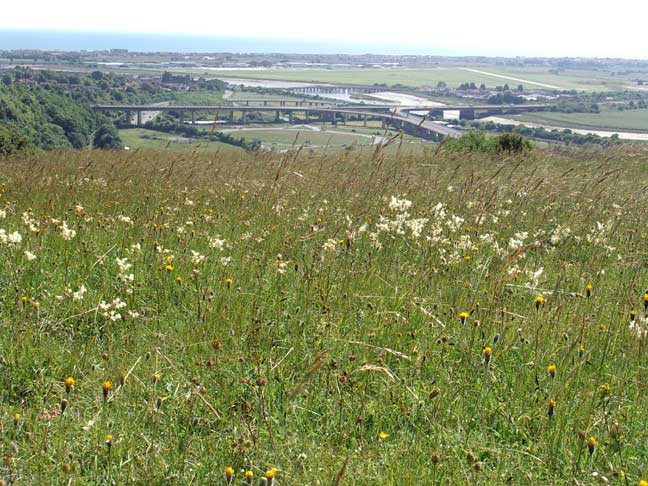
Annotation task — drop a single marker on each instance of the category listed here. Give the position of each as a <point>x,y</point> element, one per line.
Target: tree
<point>107,138</point>
<point>512,143</point>
<point>12,142</point>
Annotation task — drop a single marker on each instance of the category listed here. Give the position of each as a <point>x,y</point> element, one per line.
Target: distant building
<point>118,52</point>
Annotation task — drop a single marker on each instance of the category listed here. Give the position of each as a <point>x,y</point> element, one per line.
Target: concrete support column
<point>290,117</point>
<point>243,117</point>
<point>139,118</point>
<point>334,118</point>
<point>129,117</point>
<point>231,116</point>
<point>193,117</point>
<point>277,116</point>
<point>182,117</point>
<point>265,103</point>
<point>365,121</point>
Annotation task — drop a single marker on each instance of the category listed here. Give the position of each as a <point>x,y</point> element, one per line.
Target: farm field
<point>283,137</point>
<point>137,138</point>
<point>353,318</point>
<point>628,120</point>
<point>568,79</point>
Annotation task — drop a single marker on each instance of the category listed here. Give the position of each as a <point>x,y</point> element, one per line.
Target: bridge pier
<point>193,117</point>
<point>231,116</point>
<point>243,117</point>
<point>129,118</point>
<point>277,116</point>
<point>139,118</point>
<point>364,121</point>
<point>290,117</point>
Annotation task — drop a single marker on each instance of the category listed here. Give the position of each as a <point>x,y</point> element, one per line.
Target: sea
<point>57,40</point>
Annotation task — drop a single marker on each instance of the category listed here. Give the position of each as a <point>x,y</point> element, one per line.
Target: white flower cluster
<point>110,310</point>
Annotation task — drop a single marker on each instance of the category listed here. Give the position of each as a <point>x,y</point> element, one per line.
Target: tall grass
<point>316,326</point>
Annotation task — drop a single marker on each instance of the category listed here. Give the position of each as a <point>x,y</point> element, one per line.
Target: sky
<point>464,27</point>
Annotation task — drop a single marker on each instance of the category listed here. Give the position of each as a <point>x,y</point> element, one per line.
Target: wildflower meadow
<point>324,318</point>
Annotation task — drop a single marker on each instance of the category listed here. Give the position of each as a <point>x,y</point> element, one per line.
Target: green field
<point>136,138</point>
<point>608,119</point>
<point>324,318</point>
<point>568,79</point>
<point>287,137</point>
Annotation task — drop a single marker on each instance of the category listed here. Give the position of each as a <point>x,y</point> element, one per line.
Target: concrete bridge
<point>398,115</point>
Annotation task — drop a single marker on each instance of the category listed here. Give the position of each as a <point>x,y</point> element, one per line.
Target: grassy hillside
<point>434,319</point>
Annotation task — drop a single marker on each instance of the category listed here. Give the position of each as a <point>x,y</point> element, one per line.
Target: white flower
<point>125,219</point>
<point>3,214</point>
<point>197,258</point>
<point>123,264</point>
<point>30,256</point>
<point>400,205</point>
<point>329,245</point>
<point>67,233</point>
<point>216,243</point>
<point>14,238</point>
<point>78,295</point>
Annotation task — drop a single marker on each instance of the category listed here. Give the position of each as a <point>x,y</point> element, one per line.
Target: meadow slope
<point>382,319</point>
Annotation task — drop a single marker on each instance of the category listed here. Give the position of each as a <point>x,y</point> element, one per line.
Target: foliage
<point>107,138</point>
<point>12,142</point>
<point>479,141</point>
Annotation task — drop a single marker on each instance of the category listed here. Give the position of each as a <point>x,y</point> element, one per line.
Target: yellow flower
<point>168,268</point>
<point>108,438</point>
<point>179,279</point>
<point>23,298</point>
<point>229,282</point>
<point>106,386</point>
<point>463,315</point>
<point>551,369</point>
<point>383,435</point>
<point>69,384</point>
<point>249,474</point>
<point>16,418</point>
<point>588,289</point>
<point>271,473</point>
<point>643,482</point>
<point>229,472</point>
<point>156,377</point>
<point>551,407</point>
<point>591,444</point>
<point>539,300</point>
<point>487,352</point>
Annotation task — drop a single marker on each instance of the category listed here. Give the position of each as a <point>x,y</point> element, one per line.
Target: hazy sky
<point>549,27</point>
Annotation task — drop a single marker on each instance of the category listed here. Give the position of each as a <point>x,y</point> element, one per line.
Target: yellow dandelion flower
<point>643,482</point>
<point>383,435</point>
<point>551,406</point>
<point>108,439</point>
<point>229,282</point>
<point>106,386</point>
<point>463,315</point>
<point>229,472</point>
<point>69,384</point>
<point>588,289</point>
<point>168,267</point>
<point>271,473</point>
<point>591,444</point>
<point>23,298</point>
<point>178,279</point>
<point>487,353</point>
<point>156,377</point>
<point>551,369</point>
<point>539,300</point>
<point>249,474</point>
